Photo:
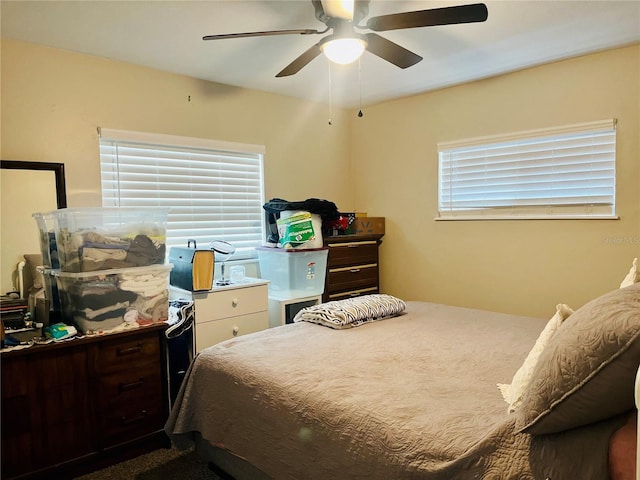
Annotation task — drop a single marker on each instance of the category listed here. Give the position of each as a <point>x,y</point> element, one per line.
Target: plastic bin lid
<point>113,271</point>
<point>290,250</point>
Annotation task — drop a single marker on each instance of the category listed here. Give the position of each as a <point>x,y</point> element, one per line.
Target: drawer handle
<point>128,351</point>
<point>236,330</point>
<point>353,268</point>
<point>123,387</point>
<point>129,421</point>
<point>234,302</point>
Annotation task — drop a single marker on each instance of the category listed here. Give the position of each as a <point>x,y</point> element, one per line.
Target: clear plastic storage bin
<point>108,300</point>
<point>294,273</point>
<point>47,227</point>
<point>91,239</point>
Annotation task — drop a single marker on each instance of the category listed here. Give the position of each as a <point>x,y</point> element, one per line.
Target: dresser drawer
<point>230,303</point>
<point>131,403</point>
<point>210,333</point>
<point>351,293</point>
<point>131,421</point>
<point>133,386</point>
<point>352,278</point>
<point>352,253</point>
<point>128,353</point>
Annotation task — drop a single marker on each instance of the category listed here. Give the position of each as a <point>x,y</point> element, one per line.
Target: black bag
<point>192,267</point>
<point>326,209</point>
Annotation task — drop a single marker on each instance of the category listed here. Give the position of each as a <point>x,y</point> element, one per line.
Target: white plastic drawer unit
<point>210,333</point>
<point>226,312</point>
<point>217,305</point>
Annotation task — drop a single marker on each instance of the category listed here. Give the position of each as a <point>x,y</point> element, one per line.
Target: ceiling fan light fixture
<point>338,8</point>
<point>343,50</point>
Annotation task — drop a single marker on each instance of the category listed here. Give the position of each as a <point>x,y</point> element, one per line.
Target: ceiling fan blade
<point>262,34</point>
<point>391,52</point>
<point>476,12</point>
<point>300,62</point>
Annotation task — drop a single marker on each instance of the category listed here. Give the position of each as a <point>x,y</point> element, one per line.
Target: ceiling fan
<point>345,44</point>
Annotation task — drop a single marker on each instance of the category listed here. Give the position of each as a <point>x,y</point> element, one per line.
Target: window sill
<point>449,218</point>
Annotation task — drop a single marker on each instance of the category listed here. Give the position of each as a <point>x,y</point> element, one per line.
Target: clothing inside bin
<point>105,303</point>
<point>89,251</point>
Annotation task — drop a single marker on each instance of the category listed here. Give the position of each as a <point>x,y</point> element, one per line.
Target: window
<point>566,172</point>
<point>214,190</point>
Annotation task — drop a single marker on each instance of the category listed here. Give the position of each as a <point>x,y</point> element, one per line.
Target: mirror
<point>225,249</point>
<point>25,188</point>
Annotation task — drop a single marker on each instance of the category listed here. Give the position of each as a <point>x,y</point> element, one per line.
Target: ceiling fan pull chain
<point>330,94</point>
<point>360,114</point>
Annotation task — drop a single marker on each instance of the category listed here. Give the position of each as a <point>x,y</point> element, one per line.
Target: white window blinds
<point>214,190</point>
<point>566,172</point>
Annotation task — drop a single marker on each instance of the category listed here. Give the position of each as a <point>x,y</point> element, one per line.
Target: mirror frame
<point>57,168</point>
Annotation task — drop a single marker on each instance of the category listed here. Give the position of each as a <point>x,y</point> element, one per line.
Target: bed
<point>424,391</point>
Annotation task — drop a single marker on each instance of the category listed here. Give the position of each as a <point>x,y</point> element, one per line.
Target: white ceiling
<point>167,35</point>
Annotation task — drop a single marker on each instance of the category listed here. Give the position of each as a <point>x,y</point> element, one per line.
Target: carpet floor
<point>162,464</point>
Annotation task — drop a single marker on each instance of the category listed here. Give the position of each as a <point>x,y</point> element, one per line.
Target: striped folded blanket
<point>352,312</point>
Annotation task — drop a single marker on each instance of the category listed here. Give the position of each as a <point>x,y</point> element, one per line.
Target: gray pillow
<point>586,373</point>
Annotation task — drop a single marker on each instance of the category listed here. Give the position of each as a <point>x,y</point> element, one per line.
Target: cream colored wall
<point>523,267</point>
<point>53,101</point>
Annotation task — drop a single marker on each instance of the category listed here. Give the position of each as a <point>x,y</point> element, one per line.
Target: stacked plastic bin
<point>46,225</point>
<point>293,273</point>
<point>108,265</point>
<point>296,278</point>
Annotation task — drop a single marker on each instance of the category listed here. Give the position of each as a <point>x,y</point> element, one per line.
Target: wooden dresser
<point>352,266</point>
<point>73,406</point>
